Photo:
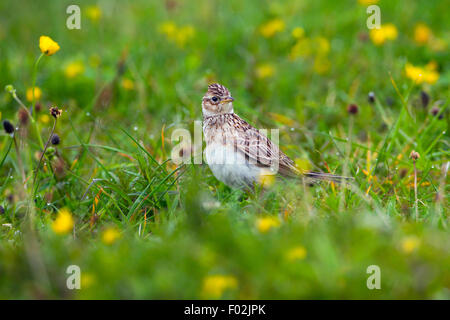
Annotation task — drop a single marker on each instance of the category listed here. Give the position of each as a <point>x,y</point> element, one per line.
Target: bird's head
<point>217,100</point>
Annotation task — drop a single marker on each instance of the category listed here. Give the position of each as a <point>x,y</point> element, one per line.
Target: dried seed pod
<point>55,112</point>
<point>371,97</point>
<point>352,109</point>
<point>55,139</point>
<point>425,98</point>
<point>414,155</point>
<point>23,117</point>
<point>435,111</point>
<point>8,126</point>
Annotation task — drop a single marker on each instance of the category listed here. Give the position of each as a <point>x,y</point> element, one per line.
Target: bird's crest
<point>218,89</point>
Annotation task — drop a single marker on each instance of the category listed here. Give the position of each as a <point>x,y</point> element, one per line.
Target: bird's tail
<point>327,177</point>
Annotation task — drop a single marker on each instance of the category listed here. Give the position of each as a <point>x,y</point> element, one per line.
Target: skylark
<point>239,154</point>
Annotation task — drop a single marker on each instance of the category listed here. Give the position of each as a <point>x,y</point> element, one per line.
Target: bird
<point>239,154</point>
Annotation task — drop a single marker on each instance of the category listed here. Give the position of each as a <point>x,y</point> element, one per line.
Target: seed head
<point>414,155</point>
<point>352,109</point>
<point>55,112</point>
<point>389,101</point>
<point>8,126</point>
<point>23,116</point>
<point>425,98</point>
<point>10,88</point>
<point>435,111</point>
<point>371,97</point>
<point>55,139</point>
<point>403,173</point>
<point>37,106</point>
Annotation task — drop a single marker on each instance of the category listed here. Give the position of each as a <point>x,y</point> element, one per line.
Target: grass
<point>144,227</point>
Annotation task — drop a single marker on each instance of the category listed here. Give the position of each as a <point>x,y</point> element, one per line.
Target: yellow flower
<point>267,223</point>
<point>385,32</point>
<point>48,46</point>
<point>296,253</point>
<point>410,244</point>
<point>215,285</point>
<point>272,27</point>
<point>323,45</point>
<point>44,118</point>
<point>74,69</point>
<point>303,48</point>
<point>110,235</point>
<point>37,94</point>
<point>127,84</point>
<point>179,35</point>
<point>87,279</point>
<point>184,34</point>
<point>94,13</point>
<point>367,2</point>
<point>413,72</point>
<point>390,31</point>
<point>264,71</point>
<point>63,223</point>
<point>422,33</point>
<point>298,32</point>
<point>168,28</point>
<point>420,75</point>
<point>321,65</point>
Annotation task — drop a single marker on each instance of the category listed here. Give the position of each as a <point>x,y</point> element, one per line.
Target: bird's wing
<point>261,150</point>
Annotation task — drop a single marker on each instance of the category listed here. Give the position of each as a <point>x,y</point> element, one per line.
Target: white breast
<point>230,166</point>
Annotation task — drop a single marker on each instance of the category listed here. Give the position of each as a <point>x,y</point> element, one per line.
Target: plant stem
<point>415,191</point>
<point>19,162</point>
<point>33,104</point>
<point>346,162</point>
<point>34,84</point>
<point>43,153</point>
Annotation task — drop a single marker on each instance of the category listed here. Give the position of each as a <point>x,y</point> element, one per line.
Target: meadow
<point>87,179</point>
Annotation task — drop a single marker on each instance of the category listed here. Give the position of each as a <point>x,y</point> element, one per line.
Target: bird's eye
<point>215,99</point>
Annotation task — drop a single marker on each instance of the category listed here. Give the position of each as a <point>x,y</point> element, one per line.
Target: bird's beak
<point>227,99</point>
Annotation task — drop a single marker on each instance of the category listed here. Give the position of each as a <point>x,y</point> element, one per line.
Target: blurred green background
<point>145,228</point>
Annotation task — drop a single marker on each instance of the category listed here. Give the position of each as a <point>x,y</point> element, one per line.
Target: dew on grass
<point>135,128</point>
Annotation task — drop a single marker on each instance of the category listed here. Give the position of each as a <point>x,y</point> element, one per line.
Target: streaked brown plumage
<point>237,153</point>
